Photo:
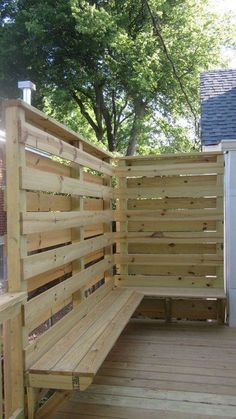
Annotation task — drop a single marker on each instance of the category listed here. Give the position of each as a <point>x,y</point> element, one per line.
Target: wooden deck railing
<point>10,311</point>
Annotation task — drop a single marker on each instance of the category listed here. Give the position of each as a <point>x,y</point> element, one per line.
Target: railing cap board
<point>38,118</point>
<point>8,302</point>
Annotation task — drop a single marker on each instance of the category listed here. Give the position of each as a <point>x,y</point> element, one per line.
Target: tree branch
<point>158,33</point>
<point>85,113</point>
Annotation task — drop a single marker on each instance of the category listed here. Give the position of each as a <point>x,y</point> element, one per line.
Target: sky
<point>222,6</point>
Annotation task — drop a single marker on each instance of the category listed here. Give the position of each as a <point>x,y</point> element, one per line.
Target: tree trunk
<point>139,112</point>
<point>108,123</point>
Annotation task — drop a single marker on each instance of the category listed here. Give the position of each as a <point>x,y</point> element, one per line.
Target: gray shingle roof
<point>218,106</point>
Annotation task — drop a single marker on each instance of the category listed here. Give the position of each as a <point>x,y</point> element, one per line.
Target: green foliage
<point>101,68</point>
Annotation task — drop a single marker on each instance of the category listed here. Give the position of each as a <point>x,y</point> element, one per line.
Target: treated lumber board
<point>193,310</point>
<point>43,343</point>
<point>193,156</point>
<point>66,343</point>
<point>48,124</point>
<point>197,270</point>
<point>43,240</point>
<point>157,227</point>
<point>46,164</point>
<point>171,203</point>
<point>169,215</point>
<point>10,305</point>
<point>94,230</point>
<point>59,381</point>
<point>49,143</point>
<point>93,204</point>
<point>43,262</point>
<point>72,347</point>
<point>18,414</point>
<point>172,181</point>
<point>98,352</point>
<point>35,222</point>
<point>181,292</point>
<point>61,291</point>
<point>94,256</point>
<point>37,180</point>
<point>186,378</point>
<point>76,410</point>
<point>183,338</point>
<point>164,384</point>
<point>172,192</point>
<point>13,365</point>
<point>168,281</point>
<point>72,359</point>
<point>14,160</point>
<point>169,169</point>
<point>157,404</point>
<point>51,404</point>
<point>16,248</point>
<point>47,277</point>
<point>209,399</point>
<point>168,237</point>
<point>172,248</point>
<point>167,259</point>
<point>39,201</point>
<point>90,177</point>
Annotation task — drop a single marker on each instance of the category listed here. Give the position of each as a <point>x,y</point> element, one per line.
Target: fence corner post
<point>229,148</point>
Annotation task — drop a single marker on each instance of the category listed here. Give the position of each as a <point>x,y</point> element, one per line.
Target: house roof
<point>218,106</point>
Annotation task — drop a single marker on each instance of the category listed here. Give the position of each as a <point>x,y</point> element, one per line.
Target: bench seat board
<point>82,350</point>
<point>181,292</point>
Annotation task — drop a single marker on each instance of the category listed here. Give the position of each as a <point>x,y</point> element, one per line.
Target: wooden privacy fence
<point>171,214</point>
<point>61,207</point>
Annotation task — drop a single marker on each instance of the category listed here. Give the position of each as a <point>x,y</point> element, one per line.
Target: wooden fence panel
<point>173,214</point>
<point>59,210</point>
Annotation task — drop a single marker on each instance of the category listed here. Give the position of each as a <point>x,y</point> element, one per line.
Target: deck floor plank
<point>162,371</point>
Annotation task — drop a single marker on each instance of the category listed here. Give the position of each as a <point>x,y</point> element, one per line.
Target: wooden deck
<point>162,371</point>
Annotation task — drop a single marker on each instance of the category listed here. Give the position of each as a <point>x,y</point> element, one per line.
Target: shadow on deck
<point>162,371</point>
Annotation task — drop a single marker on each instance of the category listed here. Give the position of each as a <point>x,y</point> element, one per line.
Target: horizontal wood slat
<point>169,215</point>
<point>171,203</point>
<point>36,310</point>
<point>44,342</point>
<point>35,222</point>
<point>43,240</point>
<point>37,180</point>
<point>43,262</point>
<point>168,281</point>
<point>46,142</point>
<point>169,169</point>
<point>152,192</point>
<point>170,259</point>
<point>156,237</point>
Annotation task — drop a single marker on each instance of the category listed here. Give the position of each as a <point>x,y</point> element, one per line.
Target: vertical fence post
<point>13,344</point>
<point>229,147</point>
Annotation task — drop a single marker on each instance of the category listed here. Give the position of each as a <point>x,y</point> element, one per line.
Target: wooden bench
<point>181,292</point>
<point>76,357</point>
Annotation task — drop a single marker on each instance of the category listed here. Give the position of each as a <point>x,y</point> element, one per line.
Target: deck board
<point>162,371</point>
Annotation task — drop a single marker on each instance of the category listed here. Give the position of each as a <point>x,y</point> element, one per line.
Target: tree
<point>121,63</point>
